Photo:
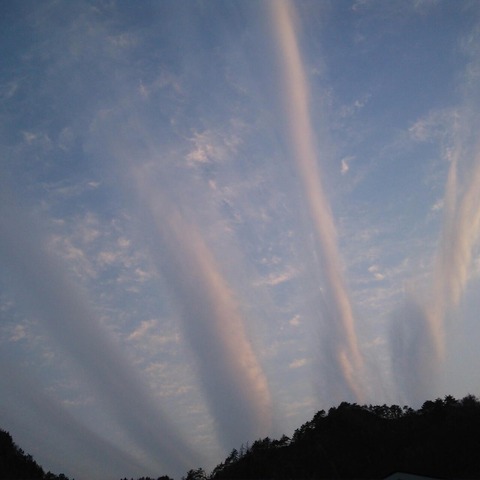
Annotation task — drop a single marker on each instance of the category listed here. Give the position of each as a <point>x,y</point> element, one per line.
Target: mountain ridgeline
<point>15,464</point>
<point>440,440</point>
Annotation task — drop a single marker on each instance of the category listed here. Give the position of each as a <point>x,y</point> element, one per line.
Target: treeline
<point>15,464</point>
<point>163,477</point>
<point>441,439</point>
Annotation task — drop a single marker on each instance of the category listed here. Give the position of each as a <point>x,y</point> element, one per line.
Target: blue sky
<point>220,217</point>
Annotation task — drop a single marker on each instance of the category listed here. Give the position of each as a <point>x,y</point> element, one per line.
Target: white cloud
<point>438,205</point>
<point>376,342</point>
<point>345,164</point>
<point>375,271</point>
<point>298,363</point>
<point>351,109</point>
<point>76,257</point>
<point>211,147</point>
<point>435,125</point>
<point>295,321</point>
<point>150,336</point>
<point>145,327</point>
<point>164,80</point>
<point>18,333</point>
<point>93,184</point>
<point>107,258</point>
<point>143,275</point>
<point>278,278</point>
<point>66,138</point>
<point>124,40</point>
<point>29,137</point>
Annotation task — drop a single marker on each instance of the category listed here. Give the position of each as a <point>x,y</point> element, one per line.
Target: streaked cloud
<point>298,363</point>
<point>453,262</point>
<point>345,354</point>
<point>222,205</point>
<point>71,322</point>
<point>97,451</point>
<point>229,371</point>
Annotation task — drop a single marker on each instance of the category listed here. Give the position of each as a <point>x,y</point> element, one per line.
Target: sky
<point>217,218</point>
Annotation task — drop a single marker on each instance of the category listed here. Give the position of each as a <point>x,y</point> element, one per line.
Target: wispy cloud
<point>345,164</point>
<point>209,147</point>
<point>454,258</point>
<point>72,323</point>
<point>278,278</point>
<point>232,377</point>
<point>27,392</point>
<point>298,363</point>
<point>424,334</point>
<point>234,290</point>
<point>344,359</point>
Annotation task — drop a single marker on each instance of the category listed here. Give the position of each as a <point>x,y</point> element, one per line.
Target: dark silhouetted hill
<point>441,440</point>
<point>16,465</point>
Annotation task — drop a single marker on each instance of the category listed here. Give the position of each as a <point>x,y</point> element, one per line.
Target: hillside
<point>440,440</point>
<point>16,465</point>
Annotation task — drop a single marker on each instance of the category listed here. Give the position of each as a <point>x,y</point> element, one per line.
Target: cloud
<point>146,334</point>
<point>352,109</point>
<point>453,262</point>
<point>343,358</point>
<point>345,164</point>
<point>232,377</point>
<point>18,333</point>
<point>454,257</point>
<point>40,280</point>
<point>210,147</point>
<point>99,455</point>
<point>295,321</point>
<point>438,205</point>
<point>374,270</point>
<point>437,125</point>
<point>298,363</point>
<point>415,361</point>
<point>274,279</point>
<point>143,330</point>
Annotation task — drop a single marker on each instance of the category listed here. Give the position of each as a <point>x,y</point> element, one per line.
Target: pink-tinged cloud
<point>346,354</point>
<point>232,378</point>
<point>454,257</point>
<point>419,345</point>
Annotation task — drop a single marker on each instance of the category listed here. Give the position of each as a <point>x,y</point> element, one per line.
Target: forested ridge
<point>15,464</point>
<point>440,440</point>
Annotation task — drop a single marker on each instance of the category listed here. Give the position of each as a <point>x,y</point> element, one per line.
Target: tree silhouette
<point>196,474</point>
<point>352,441</point>
<point>15,464</point>
<point>440,439</point>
